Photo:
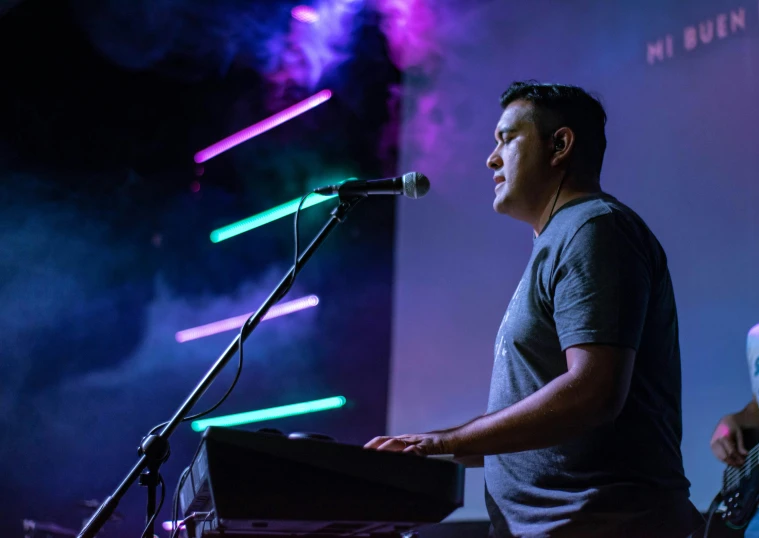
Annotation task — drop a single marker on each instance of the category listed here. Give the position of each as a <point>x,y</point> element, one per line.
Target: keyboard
<point>258,484</point>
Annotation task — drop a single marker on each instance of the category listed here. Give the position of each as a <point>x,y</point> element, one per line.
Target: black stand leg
<point>155,448</point>
<point>149,479</point>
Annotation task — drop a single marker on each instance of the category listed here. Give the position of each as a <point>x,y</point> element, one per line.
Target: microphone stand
<point>154,449</point>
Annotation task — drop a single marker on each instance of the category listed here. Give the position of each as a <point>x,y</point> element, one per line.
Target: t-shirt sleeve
<point>752,353</point>
<point>602,285</point>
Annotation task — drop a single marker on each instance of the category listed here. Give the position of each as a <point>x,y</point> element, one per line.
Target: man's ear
<point>563,143</point>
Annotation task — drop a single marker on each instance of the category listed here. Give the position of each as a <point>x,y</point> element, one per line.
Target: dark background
<point>104,246</point>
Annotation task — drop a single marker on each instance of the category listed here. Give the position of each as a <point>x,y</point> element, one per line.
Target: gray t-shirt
<point>597,275</point>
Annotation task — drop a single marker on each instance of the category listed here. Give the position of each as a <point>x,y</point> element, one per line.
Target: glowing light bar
<point>270,413</point>
<point>245,225</point>
<point>262,126</point>
<point>236,322</point>
<point>305,14</point>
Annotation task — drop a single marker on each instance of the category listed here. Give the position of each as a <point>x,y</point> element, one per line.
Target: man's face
<point>520,161</point>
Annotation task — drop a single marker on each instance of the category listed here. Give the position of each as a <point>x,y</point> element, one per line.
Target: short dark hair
<point>560,105</point>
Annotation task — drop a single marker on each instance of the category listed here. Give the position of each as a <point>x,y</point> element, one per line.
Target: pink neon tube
<point>262,126</point>
<point>305,14</point>
<point>236,322</point>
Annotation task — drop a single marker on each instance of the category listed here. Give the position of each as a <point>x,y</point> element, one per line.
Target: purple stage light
<point>262,126</point>
<point>305,14</point>
<point>236,322</point>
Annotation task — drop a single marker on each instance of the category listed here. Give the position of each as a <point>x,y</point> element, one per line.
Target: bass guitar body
<point>740,485</point>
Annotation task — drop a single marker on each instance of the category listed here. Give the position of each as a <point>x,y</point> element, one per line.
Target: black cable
<point>175,505</point>
<point>297,244</point>
<point>556,198</point>
<point>296,235</point>
<point>160,505</point>
<point>284,292</point>
<point>205,520</point>
<point>217,404</point>
<point>194,515</point>
<point>177,492</point>
<point>175,532</point>
<point>712,509</point>
<point>176,529</point>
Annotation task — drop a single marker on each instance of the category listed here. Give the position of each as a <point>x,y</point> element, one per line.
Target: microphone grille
<point>415,185</point>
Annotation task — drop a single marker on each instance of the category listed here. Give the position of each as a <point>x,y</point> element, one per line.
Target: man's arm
<point>748,417</point>
<point>592,392</point>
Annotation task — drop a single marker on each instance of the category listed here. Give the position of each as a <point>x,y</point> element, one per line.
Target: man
<point>583,427</point>
<point>727,440</point>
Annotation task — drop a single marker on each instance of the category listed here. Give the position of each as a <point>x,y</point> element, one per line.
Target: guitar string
<point>747,467</point>
<point>733,475</point>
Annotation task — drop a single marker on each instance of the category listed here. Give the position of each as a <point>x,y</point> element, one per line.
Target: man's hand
<point>727,441</point>
<point>422,444</point>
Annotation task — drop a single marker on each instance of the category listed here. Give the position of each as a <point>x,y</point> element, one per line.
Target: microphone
<point>411,184</point>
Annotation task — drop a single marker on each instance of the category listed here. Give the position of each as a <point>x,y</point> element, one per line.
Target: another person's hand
<point>422,444</point>
<point>727,441</point>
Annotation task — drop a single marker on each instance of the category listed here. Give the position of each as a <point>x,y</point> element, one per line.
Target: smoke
<point>150,34</point>
<point>145,34</point>
<point>312,48</point>
<point>160,355</point>
<point>53,283</point>
<point>88,351</point>
<point>85,305</point>
<point>411,27</point>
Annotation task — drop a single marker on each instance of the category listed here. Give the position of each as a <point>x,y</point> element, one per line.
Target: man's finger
<point>735,459</point>
<point>392,444</point>
<point>719,451</point>
<point>376,442</point>
<point>414,449</point>
<point>739,442</point>
<point>729,447</point>
<point>732,456</point>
